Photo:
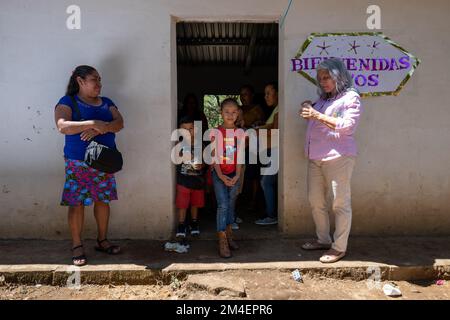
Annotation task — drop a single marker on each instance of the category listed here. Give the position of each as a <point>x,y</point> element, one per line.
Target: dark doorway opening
<point>214,61</point>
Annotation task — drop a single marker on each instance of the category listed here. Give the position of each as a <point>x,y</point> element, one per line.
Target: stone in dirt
<point>217,283</point>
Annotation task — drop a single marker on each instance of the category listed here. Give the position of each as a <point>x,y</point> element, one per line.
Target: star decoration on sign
<point>374,46</point>
<point>353,47</point>
<point>324,48</point>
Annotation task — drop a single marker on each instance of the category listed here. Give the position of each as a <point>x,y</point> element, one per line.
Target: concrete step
<point>145,262</point>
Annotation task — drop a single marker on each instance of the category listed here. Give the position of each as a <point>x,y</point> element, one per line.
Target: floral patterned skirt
<point>85,185</point>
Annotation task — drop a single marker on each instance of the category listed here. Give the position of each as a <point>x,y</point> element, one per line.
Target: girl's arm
<point>218,170</point>
<point>225,179</point>
<point>238,170</point>
<point>238,174</point>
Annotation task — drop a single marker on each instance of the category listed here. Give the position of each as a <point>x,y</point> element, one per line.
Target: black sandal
<point>80,257</point>
<point>112,249</point>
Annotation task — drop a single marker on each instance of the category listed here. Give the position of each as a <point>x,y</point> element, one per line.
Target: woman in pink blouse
<point>331,149</point>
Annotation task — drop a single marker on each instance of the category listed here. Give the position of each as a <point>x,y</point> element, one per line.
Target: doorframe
<point>174,19</point>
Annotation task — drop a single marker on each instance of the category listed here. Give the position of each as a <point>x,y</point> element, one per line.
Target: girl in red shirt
<point>226,174</point>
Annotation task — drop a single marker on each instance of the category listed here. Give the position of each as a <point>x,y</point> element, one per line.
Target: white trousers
<point>335,174</point>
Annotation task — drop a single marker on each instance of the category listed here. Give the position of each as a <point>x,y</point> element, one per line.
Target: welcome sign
<point>378,65</point>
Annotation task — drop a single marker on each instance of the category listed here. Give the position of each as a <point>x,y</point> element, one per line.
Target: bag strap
<point>77,111</point>
<point>75,107</point>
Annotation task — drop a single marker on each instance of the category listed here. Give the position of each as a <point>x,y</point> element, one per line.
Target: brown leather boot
<point>224,249</point>
<point>231,243</point>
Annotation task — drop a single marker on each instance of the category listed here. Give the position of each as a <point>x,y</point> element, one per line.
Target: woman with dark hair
<point>331,149</point>
<point>97,117</point>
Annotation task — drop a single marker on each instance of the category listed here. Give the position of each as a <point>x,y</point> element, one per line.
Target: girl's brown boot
<point>224,249</point>
<point>231,243</point>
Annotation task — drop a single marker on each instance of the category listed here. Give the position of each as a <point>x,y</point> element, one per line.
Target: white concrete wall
<point>132,45</point>
<point>401,181</point>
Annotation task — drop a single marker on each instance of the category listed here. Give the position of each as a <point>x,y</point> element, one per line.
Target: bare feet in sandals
<point>105,246</point>
<point>315,245</point>
<point>78,257</point>
<point>332,256</point>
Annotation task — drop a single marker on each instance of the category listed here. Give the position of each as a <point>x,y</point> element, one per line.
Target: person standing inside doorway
<point>190,190</point>
<point>84,186</point>
<point>269,182</point>
<point>331,149</point>
<point>253,116</point>
<point>226,175</point>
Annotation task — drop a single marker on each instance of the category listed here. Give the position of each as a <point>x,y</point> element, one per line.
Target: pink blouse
<point>324,143</point>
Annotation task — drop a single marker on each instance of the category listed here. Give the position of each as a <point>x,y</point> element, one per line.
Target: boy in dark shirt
<point>190,185</point>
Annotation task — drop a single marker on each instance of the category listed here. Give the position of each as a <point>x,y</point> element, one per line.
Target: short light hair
<point>338,73</point>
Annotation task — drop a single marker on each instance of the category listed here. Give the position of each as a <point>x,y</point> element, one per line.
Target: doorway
<point>214,61</point>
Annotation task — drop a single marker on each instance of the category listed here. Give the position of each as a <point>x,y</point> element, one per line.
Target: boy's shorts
<point>186,196</point>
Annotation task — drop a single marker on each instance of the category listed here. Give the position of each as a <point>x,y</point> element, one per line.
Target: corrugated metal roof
<point>229,43</point>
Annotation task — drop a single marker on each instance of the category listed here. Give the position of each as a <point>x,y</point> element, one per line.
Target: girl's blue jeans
<point>226,201</point>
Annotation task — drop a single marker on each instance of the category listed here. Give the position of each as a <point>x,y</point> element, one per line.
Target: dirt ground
<point>264,285</point>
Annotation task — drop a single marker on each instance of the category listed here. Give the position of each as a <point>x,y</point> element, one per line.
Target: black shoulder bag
<point>99,156</point>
